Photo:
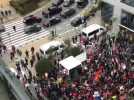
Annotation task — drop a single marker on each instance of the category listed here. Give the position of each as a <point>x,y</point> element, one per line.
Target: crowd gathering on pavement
<point>107,73</point>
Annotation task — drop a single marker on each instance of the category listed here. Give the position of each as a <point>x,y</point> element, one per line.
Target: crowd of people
<point>107,74</point>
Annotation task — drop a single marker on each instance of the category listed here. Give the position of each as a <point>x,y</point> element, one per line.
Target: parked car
<point>29,20</point>
<point>32,29</point>
<point>68,13</point>
<point>67,3</point>
<point>2,28</point>
<point>82,3</point>
<point>76,22</point>
<point>57,2</point>
<point>52,11</point>
<point>52,21</point>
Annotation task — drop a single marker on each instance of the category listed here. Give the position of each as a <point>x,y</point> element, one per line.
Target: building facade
<point>123,13</point>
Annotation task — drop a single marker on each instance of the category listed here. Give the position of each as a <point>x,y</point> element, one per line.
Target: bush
<point>72,51</point>
<point>43,66</point>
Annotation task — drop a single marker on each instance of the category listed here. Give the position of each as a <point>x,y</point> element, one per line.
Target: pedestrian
<point>31,62</point>
<point>4,48</point>
<point>42,52</point>
<point>73,39</point>
<point>14,28</point>
<point>76,38</point>
<point>19,52</point>
<point>13,49</point>
<point>1,19</point>
<point>6,13</point>
<point>11,56</point>
<point>26,60</point>
<point>32,50</point>
<point>27,53</point>
<point>9,12</point>
<point>22,62</point>
<point>37,55</point>
<point>33,58</point>
<point>52,33</point>
<point>2,13</point>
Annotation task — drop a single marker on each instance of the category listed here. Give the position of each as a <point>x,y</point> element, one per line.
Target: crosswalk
<point>19,38</point>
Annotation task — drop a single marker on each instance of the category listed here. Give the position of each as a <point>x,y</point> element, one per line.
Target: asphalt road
<point>18,38</point>
<point>64,25</point>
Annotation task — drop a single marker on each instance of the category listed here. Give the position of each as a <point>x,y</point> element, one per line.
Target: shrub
<point>72,51</point>
<point>43,66</point>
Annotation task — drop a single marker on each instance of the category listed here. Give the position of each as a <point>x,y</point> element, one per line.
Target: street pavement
<point>19,38</point>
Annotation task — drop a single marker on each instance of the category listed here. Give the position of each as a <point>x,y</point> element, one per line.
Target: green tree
<point>72,51</point>
<point>43,66</point>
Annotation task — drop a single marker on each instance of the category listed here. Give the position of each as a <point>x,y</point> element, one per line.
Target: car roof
<point>67,10</point>
<point>91,28</point>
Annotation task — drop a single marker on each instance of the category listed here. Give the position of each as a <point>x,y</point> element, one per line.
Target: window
<point>94,32</point>
<point>128,2</point>
<point>127,20</point>
<point>84,34</point>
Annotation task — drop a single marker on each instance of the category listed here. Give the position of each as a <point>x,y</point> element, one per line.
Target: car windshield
<point>84,34</point>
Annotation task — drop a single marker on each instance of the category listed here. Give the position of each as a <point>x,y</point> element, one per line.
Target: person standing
<point>14,28</point>
<point>27,53</point>
<point>32,50</point>
<point>4,48</point>
<point>31,62</point>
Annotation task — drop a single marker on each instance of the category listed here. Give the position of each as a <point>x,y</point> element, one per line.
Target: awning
<point>82,57</point>
<point>70,63</point>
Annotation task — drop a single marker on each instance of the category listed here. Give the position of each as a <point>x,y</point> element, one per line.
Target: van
<point>93,30</point>
<point>53,45</point>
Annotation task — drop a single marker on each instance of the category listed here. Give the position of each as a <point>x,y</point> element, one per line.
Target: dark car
<point>52,21</point>
<point>76,22</point>
<point>52,11</point>
<point>2,28</point>
<point>57,2</point>
<point>67,3</point>
<point>68,13</point>
<point>29,20</point>
<point>32,29</point>
<point>82,3</point>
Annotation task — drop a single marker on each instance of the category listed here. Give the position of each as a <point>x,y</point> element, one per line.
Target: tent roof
<point>46,46</point>
<point>81,57</point>
<point>70,63</point>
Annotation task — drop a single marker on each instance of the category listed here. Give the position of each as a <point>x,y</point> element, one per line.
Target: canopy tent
<point>82,57</point>
<point>46,46</point>
<point>70,63</point>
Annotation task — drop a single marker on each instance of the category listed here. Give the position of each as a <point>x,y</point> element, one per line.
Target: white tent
<point>46,46</point>
<point>82,57</point>
<point>70,63</point>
